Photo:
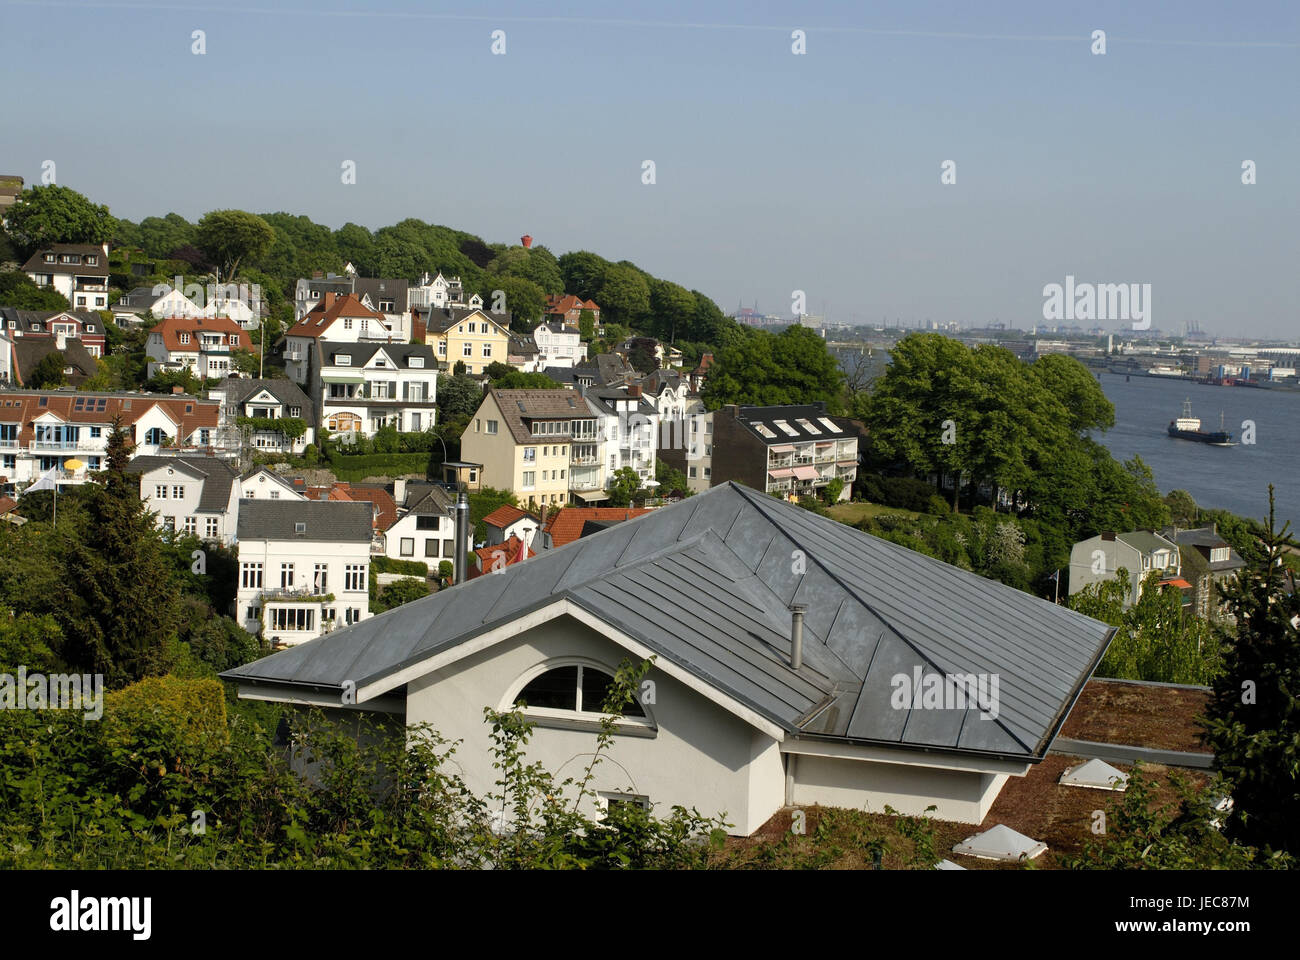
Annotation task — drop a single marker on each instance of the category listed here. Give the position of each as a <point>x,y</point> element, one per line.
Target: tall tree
<point>583,273</point>
<point>624,295</point>
<point>1253,718</point>
<point>18,290</point>
<point>53,214</point>
<point>228,237</point>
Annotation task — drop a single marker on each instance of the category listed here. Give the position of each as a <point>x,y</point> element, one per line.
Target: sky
<point>774,172</point>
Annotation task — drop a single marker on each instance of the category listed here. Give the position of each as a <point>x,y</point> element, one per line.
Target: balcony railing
<point>272,594</point>
<point>584,461</point>
<point>69,445</point>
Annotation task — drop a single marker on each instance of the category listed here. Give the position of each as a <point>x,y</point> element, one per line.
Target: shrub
<point>167,723</point>
<point>413,568</point>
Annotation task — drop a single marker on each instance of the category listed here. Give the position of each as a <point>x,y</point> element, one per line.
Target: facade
<point>567,309</point>
<point>629,426</point>
<point>1100,558</point>
<point>1207,563</point>
<point>525,441</point>
<point>793,450</point>
<point>304,567</point>
<point>757,707</point>
<point>337,319</point>
<point>263,484</point>
<point>426,525</point>
<point>143,302</point>
<point>197,496</point>
<point>362,387</point>
<point>255,405</point>
<point>688,447</point>
<point>468,335</point>
<point>558,346</point>
<point>202,345</point>
<point>41,430</point>
<point>79,271</point>
<point>58,326</point>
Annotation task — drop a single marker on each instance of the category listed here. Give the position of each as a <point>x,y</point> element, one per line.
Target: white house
<point>196,495</point>
<point>337,319</point>
<point>263,484</point>
<point>629,428</point>
<point>303,567</point>
<point>426,525</point>
<point>203,345</point>
<point>362,387</point>
<point>437,293</point>
<point>558,346</point>
<point>1100,558</point>
<point>774,684</point>
<point>157,302</point>
<point>506,521</point>
<point>79,271</point>
<point>260,406</point>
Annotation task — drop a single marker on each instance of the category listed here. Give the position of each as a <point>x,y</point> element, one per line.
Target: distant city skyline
<point>774,171</point>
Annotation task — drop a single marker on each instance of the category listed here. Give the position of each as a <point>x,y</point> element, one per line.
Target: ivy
<point>291,427</point>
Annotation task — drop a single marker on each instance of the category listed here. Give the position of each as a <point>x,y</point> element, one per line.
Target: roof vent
<point>1001,843</point>
<point>1095,775</point>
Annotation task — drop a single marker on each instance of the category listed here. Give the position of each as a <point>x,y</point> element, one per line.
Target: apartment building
<point>526,442</point>
<point>791,451</point>
<point>304,567</point>
<point>629,427</point>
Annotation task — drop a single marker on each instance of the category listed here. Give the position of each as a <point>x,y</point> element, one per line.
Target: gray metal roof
<point>706,584</point>
<point>238,391</point>
<point>330,521</point>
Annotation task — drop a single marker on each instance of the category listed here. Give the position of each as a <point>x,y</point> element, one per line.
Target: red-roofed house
<point>568,309</point>
<point>340,319</point>
<point>570,523</point>
<point>494,559</point>
<point>506,522</point>
<point>203,345</point>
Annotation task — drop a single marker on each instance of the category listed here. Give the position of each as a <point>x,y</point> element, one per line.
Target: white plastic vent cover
<point>948,865</point>
<point>1095,775</point>
<point>1000,843</point>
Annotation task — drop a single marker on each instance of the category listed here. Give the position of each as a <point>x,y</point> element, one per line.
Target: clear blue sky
<point>775,172</point>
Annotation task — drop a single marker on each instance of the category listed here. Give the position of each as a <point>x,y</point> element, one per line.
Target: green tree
<point>1253,718</point>
<point>458,396</point>
<point>1182,508</point>
<point>793,367</point>
<point>671,306</point>
<point>18,290</point>
<point>43,215</point>
<point>624,295</point>
<point>399,592</point>
<point>49,372</point>
<point>583,274</point>
<point>671,480</point>
<point>623,487</point>
<point>587,325</point>
<point>229,237</point>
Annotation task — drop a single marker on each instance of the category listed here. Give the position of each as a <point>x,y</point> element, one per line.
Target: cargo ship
<point>1188,427</point>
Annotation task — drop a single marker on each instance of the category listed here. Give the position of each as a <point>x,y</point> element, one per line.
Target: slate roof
<point>440,321</point>
<point>327,520</point>
<point>516,406</point>
<point>362,352</point>
<point>217,475</point>
<point>429,499</point>
<point>37,262</point>
<point>705,583</point>
<point>28,352</point>
<point>1144,541</point>
<point>605,400</point>
<point>239,391</point>
<point>385,288</point>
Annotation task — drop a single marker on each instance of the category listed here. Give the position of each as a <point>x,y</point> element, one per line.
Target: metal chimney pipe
<point>797,611</point>
<point>462,534</point>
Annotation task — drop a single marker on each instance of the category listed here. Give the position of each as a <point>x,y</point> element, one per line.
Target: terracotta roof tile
<point>331,308</point>
<point>171,328</point>
<point>565,525</point>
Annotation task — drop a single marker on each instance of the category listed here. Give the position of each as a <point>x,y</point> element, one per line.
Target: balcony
<point>584,461</point>
<point>63,446</point>
<point>295,594</point>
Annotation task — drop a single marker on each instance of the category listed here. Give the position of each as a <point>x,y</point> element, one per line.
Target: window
<point>347,323</point>
<point>468,349</point>
<point>354,576</point>
<point>178,493</point>
<point>577,688</point>
<point>210,527</point>
<point>320,578</point>
<point>286,575</point>
<point>487,349</point>
<point>530,454</point>
<point>275,495</point>
<point>492,426</point>
<point>415,363</point>
<point>430,547</point>
<point>426,522</point>
<point>95,432</point>
<point>442,348</point>
<point>293,618</point>
<point>191,525</point>
<point>530,479</point>
<point>449,548</point>
<point>250,576</point>
<point>154,436</point>
<point>184,337</point>
<point>408,546</point>
<point>691,474</point>
<point>160,491</point>
<point>342,360</point>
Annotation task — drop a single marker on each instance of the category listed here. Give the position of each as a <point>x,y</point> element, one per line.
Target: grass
<point>851,513</point>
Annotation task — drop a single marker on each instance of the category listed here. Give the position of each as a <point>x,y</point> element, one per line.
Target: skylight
<point>786,428</point>
<point>808,426</point>
<point>764,431</point>
<point>829,425</point>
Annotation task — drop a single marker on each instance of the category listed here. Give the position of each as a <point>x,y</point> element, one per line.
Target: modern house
<point>796,661</point>
<point>362,387</point>
<point>262,407</point>
<point>1207,563</point>
<point>1100,558</point>
<point>792,450</point>
<point>526,441</point>
<point>195,495</point>
<point>468,335</point>
<point>202,345</point>
<point>79,271</point>
<point>59,326</point>
<point>41,430</point>
<point>688,447</point>
<point>303,567</point>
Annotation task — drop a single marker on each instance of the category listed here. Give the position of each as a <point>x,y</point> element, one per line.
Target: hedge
<point>413,568</point>
<point>374,464</point>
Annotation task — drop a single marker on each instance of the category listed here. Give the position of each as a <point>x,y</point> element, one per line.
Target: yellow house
<point>524,440</point>
<point>469,335</point>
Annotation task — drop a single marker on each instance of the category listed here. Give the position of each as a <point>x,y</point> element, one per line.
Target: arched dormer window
<point>572,689</point>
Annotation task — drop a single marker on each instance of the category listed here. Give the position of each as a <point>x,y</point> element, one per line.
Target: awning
<point>783,448</point>
<point>591,496</point>
<point>343,378</point>
<point>780,474</point>
<point>1179,583</point>
<point>807,473</point>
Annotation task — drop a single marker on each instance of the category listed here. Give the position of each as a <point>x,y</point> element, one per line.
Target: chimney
<point>399,491</point>
<point>178,389</point>
<point>462,533</point>
<point>329,299</point>
<point>316,275</point>
<point>634,390</point>
<point>526,240</point>
<point>797,611</point>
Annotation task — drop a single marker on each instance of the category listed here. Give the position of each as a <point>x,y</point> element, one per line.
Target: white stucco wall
<point>700,756</point>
